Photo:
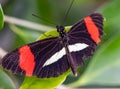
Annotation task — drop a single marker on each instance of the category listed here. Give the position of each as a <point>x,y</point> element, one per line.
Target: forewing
<point>30,59</point>
<point>88,32</point>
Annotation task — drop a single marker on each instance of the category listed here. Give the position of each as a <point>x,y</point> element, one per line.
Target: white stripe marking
<point>61,53</point>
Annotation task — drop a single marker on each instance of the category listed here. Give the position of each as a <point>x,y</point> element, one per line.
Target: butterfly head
<point>60,29</point>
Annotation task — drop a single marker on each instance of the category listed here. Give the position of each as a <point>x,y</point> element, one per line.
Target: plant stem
<point>28,24</point>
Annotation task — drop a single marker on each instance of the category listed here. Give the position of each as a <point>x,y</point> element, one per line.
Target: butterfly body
<point>53,56</point>
<point>65,42</point>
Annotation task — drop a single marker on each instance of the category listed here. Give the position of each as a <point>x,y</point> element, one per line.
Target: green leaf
<point>1,18</point>
<point>5,81</point>
<point>46,83</point>
<point>40,83</point>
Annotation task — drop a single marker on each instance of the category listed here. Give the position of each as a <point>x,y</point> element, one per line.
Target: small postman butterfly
<point>53,56</point>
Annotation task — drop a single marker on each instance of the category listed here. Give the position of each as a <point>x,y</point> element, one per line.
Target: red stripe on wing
<point>92,29</point>
<point>26,59</point>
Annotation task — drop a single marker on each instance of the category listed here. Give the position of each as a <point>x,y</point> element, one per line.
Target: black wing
<point>31,59</point>
<point>79,34</point>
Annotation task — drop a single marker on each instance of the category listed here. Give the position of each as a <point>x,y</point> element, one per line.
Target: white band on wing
<point>61,53</point>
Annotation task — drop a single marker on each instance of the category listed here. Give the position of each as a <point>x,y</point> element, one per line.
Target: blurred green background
<point>102,70</point>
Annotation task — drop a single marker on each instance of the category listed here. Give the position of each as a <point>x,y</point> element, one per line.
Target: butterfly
<point>53,56</point>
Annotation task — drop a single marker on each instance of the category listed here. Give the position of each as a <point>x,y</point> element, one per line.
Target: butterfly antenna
<point>45,20</point>
<point>67,12</point>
